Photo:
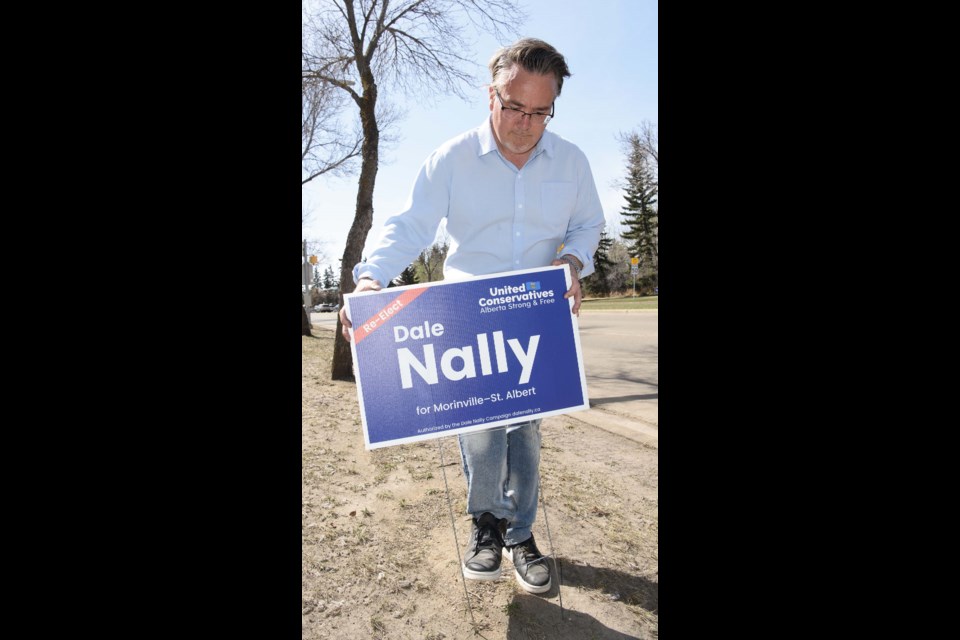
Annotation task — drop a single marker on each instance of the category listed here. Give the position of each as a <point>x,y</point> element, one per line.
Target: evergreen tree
<point>329,280</point>
<point>407,276</point>
<point>618,278</point>
<point>640,212</point>
<point>598,283</point>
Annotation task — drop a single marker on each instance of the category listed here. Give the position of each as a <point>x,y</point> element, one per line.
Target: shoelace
<point>525,554</point>
<point>486,537</point>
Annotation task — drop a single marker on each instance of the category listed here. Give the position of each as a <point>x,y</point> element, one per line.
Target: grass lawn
<point>622,302</point>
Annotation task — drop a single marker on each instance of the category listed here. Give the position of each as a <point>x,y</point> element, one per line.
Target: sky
<point>611,50</point>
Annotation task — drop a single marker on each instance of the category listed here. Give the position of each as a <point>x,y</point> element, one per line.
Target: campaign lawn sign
<point>451,357</point>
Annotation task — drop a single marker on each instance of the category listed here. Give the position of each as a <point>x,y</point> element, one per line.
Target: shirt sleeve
<point>412,230</point>
<point>587,222</point>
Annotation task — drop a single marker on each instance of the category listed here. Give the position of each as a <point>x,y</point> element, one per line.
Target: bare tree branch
<point>641,148</point>
<point>416,48</point>
<point>326,145</point>
<point>648,140</point>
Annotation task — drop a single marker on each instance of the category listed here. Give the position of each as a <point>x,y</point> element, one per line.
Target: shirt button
<point>518,234</point>
<point>519,206</point>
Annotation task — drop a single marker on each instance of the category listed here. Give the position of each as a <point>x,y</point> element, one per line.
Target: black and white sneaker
<point>530,567</point>
<point>481,560</point>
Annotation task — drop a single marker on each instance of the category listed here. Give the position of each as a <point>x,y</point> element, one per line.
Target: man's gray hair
<point>535,56</point>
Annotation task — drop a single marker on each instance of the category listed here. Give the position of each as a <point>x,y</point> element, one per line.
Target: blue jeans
<point>502,468</point>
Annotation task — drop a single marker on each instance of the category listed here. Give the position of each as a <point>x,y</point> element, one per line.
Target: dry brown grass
<point>379,558</point>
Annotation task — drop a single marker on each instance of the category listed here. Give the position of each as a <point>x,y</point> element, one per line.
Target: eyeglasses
<point>515,114</point>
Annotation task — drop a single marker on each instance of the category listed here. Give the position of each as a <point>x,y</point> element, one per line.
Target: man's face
<point>532,93</point>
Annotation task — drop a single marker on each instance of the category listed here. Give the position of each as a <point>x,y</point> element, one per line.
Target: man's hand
<point>574,288</point>
<point>365,284</point>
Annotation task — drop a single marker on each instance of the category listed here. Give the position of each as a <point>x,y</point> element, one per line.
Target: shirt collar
<point>485,135</point>
<point>488,143</point>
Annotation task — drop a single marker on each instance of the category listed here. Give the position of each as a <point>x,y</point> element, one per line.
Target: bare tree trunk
<point>422,45</point>
<point>342,367</point>
<point>304,322</point>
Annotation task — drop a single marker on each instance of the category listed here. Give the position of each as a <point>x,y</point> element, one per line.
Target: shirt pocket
<point>557,203</point>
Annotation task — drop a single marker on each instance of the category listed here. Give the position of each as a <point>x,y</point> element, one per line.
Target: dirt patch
<point>379,555</point>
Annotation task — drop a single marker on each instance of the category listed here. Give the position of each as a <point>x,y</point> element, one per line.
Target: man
<point>514,196</point>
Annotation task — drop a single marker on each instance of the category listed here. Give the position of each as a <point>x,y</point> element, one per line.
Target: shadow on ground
<point>619,586</point>
<point>648,396</point>
<point>533,618</point>
<point>540,616</point>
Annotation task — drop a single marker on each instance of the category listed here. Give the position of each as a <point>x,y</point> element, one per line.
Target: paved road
<point>326,320</point>
<point>621,361</point>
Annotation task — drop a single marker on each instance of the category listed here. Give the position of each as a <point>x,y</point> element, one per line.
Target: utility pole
<point>307,277</point>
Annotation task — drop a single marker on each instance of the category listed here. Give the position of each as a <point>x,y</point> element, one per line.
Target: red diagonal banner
<point>380,318</point>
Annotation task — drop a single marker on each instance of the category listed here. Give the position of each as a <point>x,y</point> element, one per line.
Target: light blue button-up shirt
<point>499,218</point>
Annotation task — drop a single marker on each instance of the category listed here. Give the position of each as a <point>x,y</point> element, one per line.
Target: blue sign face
<point>452,357</point>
